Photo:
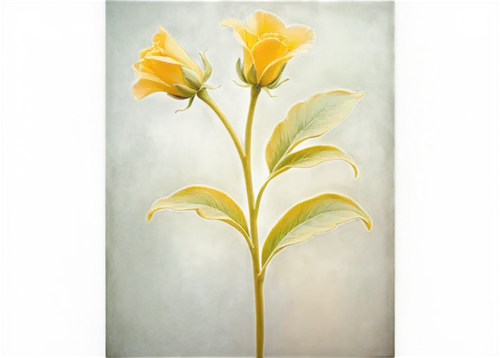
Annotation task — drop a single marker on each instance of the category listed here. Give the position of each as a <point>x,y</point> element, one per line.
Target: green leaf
<point>311,118</point>
<point>209,203</point>
<point>319,214</point>
<point>307,158</point>
<point>310,157</point>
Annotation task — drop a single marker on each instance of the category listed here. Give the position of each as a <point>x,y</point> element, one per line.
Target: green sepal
<point>252,75</point>
<point>207,72</point>
<point>279,84</point>
<point>189,105</point>
<point>185,90</point>
<point>192,78</point>
<point>240,85</point>
<point>268,92</point>
<point>210,87</point>
<point>239,71</point>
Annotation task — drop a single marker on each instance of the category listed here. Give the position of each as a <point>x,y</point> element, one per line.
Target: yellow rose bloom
<point>268,44</point>
<point>166,67</point>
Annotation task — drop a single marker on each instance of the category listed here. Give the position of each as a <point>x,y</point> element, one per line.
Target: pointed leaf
<point>319,214</point>
<point>310,157</point>
<point>311,118</point>
<point>307,158</point>
<point>209,203</point>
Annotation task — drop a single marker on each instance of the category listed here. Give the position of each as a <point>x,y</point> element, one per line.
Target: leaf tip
<point>149,216</point>
<point>368,223</point>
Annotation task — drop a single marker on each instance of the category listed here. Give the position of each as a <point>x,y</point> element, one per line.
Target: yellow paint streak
<point>429,135</point>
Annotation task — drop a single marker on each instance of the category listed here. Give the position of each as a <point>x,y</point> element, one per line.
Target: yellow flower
<point>267,45</point>
<point>166,67</point>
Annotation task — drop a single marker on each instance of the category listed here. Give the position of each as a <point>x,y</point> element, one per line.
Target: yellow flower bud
<point>166,67</point>
<point>268,45</point>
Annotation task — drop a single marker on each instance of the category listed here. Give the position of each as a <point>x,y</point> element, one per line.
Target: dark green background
<point>181,285</point>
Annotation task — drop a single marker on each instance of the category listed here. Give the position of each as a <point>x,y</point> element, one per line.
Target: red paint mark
<point>8,221</point>
<point>421,217</point>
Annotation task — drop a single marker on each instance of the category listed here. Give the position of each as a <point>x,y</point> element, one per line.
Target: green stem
<point>205,97</point>
<point>258,282</point>
<point>246,161</point>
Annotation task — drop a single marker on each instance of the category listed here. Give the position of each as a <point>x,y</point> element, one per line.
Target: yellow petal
<point>247,61</point>
<point>266,52</point>
<point>240,32</point>
<point>263,22</point>
<point>166,42</point>
<point>169,72</point>
<point>151,77</point>
<point>300,39</point>
<point>137,66</point>
<point>140,67</point>
<point>272,71</point>
<point>144,88</point>
<point>144,52</point>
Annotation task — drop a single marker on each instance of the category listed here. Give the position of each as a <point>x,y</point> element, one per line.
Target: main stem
<point>258,280</point>
<point>246,161</point>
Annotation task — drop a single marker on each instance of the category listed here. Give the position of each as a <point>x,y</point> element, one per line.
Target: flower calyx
<point>244,82</point>
<point>195,83</point>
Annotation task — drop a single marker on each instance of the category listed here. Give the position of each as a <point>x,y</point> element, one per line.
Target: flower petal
<point>139,67</point>
<point>143,88</point>
<point>168,72</point>
<point>144,52</point>
<point>272,71</point>
<point>262,22</point>
<point>265,52</point>
<point>300,39</point>
<point>240,32</point>
<point>247,61</point>
<point>166,42</point>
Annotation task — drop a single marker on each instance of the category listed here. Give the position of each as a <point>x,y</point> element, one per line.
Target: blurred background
<point>181,285</point>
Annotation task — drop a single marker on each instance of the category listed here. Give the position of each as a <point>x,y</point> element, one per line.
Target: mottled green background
<point>181,285</point>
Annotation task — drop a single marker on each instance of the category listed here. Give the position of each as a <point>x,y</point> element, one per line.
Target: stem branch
<point>246,161</point>
<point>205,97</point>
